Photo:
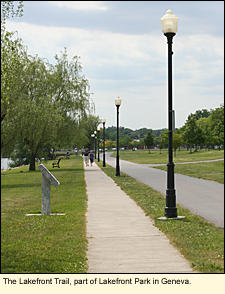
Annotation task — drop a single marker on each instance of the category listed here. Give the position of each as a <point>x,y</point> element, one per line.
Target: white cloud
<point>81,4</point>
<point>96,47</point>
<point>134,67</point>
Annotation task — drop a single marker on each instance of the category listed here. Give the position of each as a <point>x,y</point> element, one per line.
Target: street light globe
<point>92,135</point>
<point>118,101</point>
<point>103,120</point>
<point>98,128</point>
<point>95,132</point>
<point>169,22</point>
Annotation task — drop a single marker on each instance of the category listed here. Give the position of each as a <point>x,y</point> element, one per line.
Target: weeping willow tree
<point>13,81</point>
<point>56,99</point>
<point>10,9</point>
<point>41,104</point>
<point>71,93</point>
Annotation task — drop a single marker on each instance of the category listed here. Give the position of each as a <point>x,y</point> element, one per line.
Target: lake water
<point>5,163</point>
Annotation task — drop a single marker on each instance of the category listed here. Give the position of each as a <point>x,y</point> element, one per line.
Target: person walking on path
<point>86,156</point>
<point>91,156</point>
<point>67,155</point>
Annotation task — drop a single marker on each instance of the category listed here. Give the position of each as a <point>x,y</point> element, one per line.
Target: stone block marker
<point>47,180</point>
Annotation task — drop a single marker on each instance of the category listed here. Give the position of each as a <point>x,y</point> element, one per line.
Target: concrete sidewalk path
<point>122,239</point>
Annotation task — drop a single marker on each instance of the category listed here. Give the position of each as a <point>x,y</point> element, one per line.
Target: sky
<point>123,53</point>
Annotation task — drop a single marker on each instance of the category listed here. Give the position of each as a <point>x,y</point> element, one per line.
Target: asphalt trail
<point>204,198</point>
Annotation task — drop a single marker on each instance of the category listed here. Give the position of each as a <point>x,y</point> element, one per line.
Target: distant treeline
<point>203,128</point>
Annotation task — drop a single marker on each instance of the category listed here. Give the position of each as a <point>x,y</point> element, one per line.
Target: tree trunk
<point>32,162</point>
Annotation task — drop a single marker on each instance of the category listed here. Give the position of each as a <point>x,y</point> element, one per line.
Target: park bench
<point>56,163</point>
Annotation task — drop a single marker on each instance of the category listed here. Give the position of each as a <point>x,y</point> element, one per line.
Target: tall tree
<point>202,113</point>
<point>149,140</point>
<point>71,92</point>
<point>125,141</point>
<point>217,125</point>
<point>88,125</point>
<point>15,79</point>
<point>12,63</point>
<point>190,130</point>
<point>204,124</point>
<point>58,98</point>
<point>177,141</point>
<point>40,117</point>
<point>165,137</point>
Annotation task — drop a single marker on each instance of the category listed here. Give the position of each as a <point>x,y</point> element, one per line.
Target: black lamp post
<point>103,121</point>
<point>95,142</point>
<point>98,129</point>
<point>92,143</point>
<point>169,28</point>
<point>117,103</point>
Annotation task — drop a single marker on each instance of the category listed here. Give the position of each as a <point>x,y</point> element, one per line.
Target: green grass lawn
<point>144,157</point>
<point>211,171</point>
<point>44,244</point>
<point>198,240</point>
<point>58,244</point>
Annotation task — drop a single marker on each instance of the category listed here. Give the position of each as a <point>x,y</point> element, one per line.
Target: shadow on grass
<point>65,169</point>
<point>11,186</point>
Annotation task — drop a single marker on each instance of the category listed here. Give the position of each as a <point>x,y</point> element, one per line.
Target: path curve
<point>204,198</point>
